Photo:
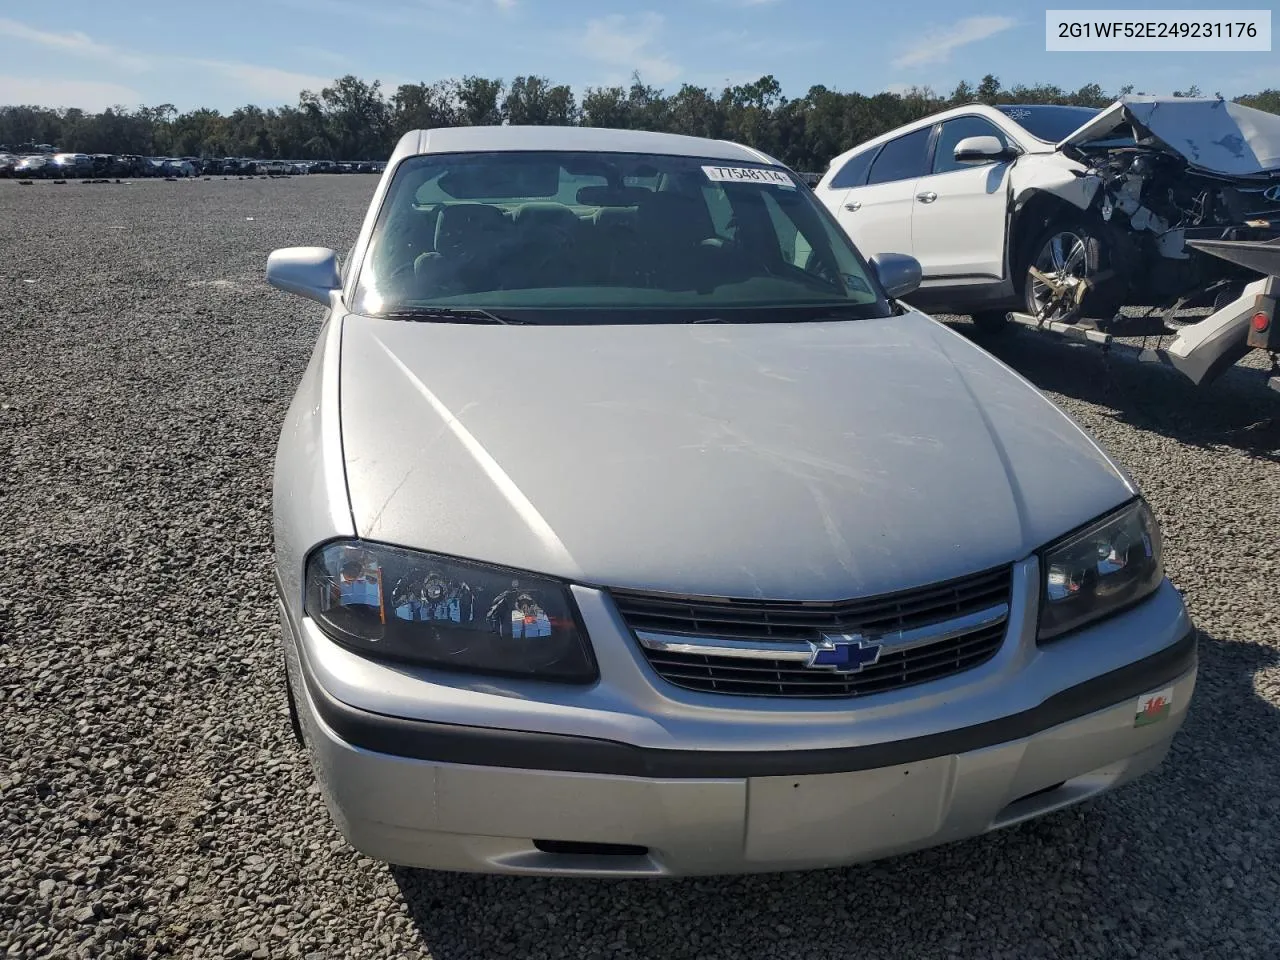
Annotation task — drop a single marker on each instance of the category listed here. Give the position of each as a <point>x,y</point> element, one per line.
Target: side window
<point>901,159</point>
<point>953,131</point>
<point>854,171</point>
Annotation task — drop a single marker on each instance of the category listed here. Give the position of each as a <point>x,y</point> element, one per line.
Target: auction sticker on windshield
<point>774,178</point>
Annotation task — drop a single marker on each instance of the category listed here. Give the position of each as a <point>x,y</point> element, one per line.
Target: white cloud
<point>435,16</point>
<point>338,61</point>
<point>256,82</point>
<point>730,38</point>
<point>937,45</point>
<point>268,83</point>
<point>90,95</point>
<point>505,4</point>
<point>74,43</point>
<point>743,42</point>
<point>627,42</point>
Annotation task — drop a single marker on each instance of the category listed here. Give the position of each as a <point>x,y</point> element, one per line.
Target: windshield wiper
<point>839,313</point>
<point>449,315</point>
<point>791,315</point>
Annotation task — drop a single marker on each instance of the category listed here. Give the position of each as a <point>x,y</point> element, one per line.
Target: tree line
<point>356,120</point>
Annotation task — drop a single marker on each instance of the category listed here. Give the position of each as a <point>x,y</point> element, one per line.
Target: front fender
<point>309,491</point>
<point>1054,175</point>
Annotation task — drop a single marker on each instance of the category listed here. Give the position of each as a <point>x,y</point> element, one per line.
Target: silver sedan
<point>629,524</point>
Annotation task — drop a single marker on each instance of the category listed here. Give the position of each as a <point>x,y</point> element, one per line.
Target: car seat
<point>470,241</point>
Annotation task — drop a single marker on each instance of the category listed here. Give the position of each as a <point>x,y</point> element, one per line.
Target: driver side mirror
<point>898,273</point>
<point>981,150</point>
<point>310,272</point>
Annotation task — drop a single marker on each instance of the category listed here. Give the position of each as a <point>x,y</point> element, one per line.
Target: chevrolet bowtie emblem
<point>844,653</point>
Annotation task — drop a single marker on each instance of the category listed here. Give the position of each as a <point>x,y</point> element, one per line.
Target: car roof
<point>967,110</point>
<point>584,139</point>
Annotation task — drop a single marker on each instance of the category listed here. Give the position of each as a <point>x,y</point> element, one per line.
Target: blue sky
<point>91,53</point>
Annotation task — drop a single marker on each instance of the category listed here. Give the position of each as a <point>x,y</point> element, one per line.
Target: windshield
<point>1049,123</point>
<point>569,237</point>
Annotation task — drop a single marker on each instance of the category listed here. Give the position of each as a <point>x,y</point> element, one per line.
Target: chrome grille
<point>785,678</point>
<point>761,648</point>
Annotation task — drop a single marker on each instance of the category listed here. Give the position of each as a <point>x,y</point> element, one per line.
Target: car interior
<point>665,239</point>
<point>679,235</point>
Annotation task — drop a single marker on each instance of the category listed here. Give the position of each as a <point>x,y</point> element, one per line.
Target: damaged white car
<point>1067,213</point>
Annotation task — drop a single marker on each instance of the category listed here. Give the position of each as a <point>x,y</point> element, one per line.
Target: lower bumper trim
<point>492,747</point>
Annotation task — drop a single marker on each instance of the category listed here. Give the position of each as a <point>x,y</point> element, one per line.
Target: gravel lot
<point>153,802</point>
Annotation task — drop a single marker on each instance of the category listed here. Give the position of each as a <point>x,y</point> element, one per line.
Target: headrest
<point>544,213</point>
<point>465,227</point>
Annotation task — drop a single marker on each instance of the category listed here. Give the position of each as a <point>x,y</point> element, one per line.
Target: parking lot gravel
<point>152,799</point>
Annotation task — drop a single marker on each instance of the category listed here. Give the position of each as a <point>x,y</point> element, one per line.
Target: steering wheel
<point>402,276</point>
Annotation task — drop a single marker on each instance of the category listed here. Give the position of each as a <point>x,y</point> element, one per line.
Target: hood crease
<point>501,480</point>
<point>997,444</point>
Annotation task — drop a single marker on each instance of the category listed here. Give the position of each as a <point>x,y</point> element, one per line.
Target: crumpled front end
<point>1181,169</point>
<point>1159,172</point>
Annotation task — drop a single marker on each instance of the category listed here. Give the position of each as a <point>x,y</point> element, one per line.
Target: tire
<point>990,322</point>
<point>1082,248</point>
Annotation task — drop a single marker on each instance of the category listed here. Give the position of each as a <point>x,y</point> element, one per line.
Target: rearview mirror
<point>980,150</point>
<point>898,273</point>
<point>310,272</point>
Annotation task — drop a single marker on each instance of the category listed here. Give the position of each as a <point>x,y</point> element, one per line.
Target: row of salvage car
<point>63,166</point>
<point>1055,217</point>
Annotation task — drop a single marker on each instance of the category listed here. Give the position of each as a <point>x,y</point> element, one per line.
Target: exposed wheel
<point>990,321</point>
<point>1066,255</point>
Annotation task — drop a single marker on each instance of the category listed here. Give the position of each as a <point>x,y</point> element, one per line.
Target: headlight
<point>1106,567</point>
<point>405,605</point>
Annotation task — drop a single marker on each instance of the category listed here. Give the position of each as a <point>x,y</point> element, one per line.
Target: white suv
<point>913,190</point>
<point>1064,211</point>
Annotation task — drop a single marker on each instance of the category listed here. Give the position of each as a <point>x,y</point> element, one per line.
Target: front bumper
<point>671,791</point>
<point>452,816</point>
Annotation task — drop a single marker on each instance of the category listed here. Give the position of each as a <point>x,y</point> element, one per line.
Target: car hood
<point>1217,136</point>
<point>812,461</point>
